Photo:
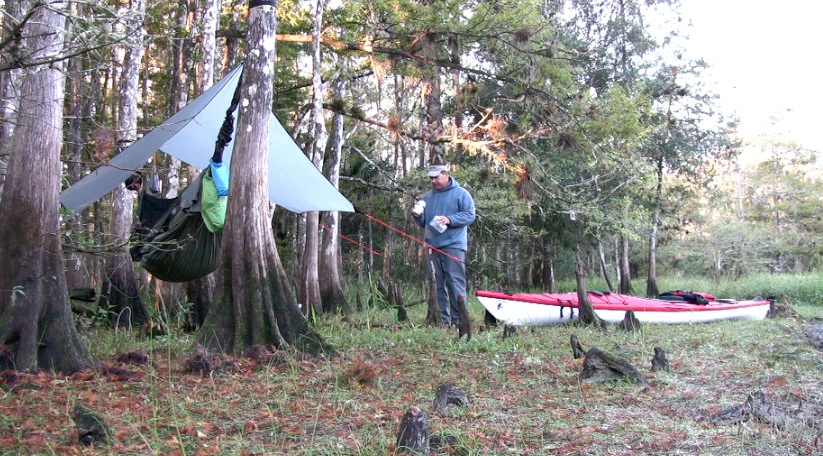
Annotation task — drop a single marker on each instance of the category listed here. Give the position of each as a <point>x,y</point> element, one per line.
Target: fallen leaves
<point>525,399</point>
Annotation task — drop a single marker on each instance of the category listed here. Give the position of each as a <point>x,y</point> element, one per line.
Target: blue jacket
<point>457,204</point>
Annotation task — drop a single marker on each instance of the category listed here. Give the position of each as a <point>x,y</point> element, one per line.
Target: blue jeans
<point>450,281</point>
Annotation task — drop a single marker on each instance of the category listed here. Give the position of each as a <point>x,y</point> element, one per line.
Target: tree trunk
<point>200,292</point>
<point>8,97</point>
<point>309,291</point>
<point>584,306</point>
<point>527,271</point>
<point>309,283</point>
<point>652,290</point>
<point>257,305</point>
<point>433,123</point>
<point>433,311</point>
<point>208,44</point>
<point>80,268</point>
<point>625,267</point>
<point>603,267</point>
<point>331,287</point>
<point>232,55</point>
<point>123,293</point>
<point>36,322</point>
<point>170,296</point>
<point>549,282</point>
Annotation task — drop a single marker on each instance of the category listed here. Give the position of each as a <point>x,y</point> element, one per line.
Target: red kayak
<point>537,309</point>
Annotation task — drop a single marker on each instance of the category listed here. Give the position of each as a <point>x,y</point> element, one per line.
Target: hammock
<point>178,239</point>
<point>173,241</point>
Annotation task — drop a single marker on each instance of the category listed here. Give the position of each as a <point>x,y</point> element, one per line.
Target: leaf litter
<point>733,388</point>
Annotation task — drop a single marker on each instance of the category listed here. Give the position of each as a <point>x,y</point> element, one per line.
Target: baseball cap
<point>435,170</point>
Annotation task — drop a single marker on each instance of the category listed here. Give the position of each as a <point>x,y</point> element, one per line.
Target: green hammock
<point>180,247</point>
<point>178,239</point>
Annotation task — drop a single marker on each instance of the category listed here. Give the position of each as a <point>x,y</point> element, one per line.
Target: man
<point>448,211</point>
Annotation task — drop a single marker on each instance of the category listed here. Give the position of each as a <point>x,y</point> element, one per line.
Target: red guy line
<point>350,239</point>
<point>403,233</point>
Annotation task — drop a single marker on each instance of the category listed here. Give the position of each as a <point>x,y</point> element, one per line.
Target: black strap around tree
<point>227,129</point>
<point>256,3</point>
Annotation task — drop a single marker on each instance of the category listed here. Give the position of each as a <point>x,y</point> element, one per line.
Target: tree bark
<point>659,361</point>
<point>600,366</point>
<point>309,291</point>
<point>208,44</point>
<point>625,267</point>
<point>413,432</point>
<point>122,293</point>
<point>36,322</point>
<point>603,267</point>
<point>8,95</point>
<point>577,348</point>
<point>433,311</point>
<point>257,305</point>
<point>447,395</point>
<point>200,292</point>
<point>549,282</point>
<point>170,296</point>
<point>584,306</point>
<point>81,268</point>
<point>630,322</point>
<point>331,287</point>
<point>652,290</point>
<point>433,123</point>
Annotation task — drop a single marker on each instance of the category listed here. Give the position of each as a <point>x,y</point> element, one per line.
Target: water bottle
<point>418,208</point>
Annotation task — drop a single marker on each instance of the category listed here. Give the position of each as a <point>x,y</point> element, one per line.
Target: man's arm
<point>466,214</point>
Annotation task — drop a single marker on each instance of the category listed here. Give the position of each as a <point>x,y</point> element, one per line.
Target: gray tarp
<point>294,182</point>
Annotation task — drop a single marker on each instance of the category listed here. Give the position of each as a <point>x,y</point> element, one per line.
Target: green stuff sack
<point>213,206</point>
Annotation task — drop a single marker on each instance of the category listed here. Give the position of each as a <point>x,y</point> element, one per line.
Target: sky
<point>765,60</point>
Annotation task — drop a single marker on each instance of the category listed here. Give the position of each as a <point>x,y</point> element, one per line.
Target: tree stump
<point>464,328</point>
<point>659,360</point>
<point>447,395</point>
<point>767,411</point>
<point>630,322</point>
<point>489,320</point>
<point>90,426</point>
<point>599,366</point>
<point>577,349</point>
<point>198,364</point>
<point>135,358</point>
<point>783,309</point>
<point>783,412</point>
<point>509,331</point>
<point>433,312</point>
<point>413,433</point>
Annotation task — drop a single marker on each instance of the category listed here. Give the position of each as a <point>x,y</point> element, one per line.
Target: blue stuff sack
<point>220,174</point>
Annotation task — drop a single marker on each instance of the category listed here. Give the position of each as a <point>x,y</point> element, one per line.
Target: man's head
<point>439,176</point>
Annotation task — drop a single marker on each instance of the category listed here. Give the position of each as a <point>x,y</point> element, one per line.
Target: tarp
<point>189,135</point>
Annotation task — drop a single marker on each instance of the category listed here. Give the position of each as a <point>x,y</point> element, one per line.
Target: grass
<point>524,394</point>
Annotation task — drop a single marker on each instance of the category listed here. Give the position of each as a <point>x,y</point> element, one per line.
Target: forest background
<point>584,140</point>
<point>592,148</point>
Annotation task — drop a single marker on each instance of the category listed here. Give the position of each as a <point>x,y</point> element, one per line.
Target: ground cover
<point>524,395</point>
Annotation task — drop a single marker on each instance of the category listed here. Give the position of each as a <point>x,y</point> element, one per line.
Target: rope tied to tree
<point>407,235</point>
<point>227,129</point>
